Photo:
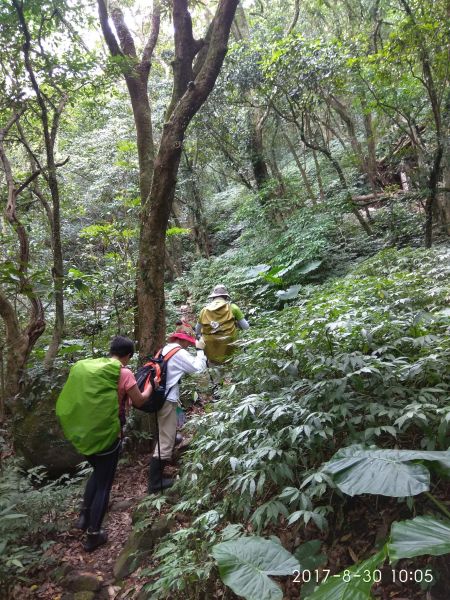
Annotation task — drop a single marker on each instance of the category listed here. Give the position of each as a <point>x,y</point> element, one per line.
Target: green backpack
<point>88,406</point>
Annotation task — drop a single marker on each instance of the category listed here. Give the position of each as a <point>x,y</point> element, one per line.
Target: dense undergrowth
<point>362,358</point>
<point>31,513</point>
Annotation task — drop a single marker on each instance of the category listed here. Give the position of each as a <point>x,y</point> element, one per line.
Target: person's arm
<point>137,397</point>
<point>190,364</point>
<point>243,324</point>
<point>241,321</point>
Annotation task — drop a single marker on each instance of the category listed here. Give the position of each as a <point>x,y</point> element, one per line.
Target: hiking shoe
<point>156,487</point>
<point>156,482</point>
<point>94,539</point>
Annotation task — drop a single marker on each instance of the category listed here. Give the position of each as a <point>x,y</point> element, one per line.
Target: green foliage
<point>419,536</point>
<point>362,359</point>
<point>177,231</point>
<point>245,564</point>
<point>31,510</point>
<point>357,470</point>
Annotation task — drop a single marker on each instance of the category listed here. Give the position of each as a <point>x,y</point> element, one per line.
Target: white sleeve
<point>243,324</point>
<point>189,363</point>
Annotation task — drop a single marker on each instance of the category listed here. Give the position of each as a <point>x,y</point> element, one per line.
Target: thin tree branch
<point>108,34</point>
<point>293,23</point>
<point>154,33</point>
<point>123,33</point>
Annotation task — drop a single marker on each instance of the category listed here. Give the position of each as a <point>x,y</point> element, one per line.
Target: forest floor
<point>355,529</point>
<point>67,552</point>
<point>66,559</point>
<point>364,522</point>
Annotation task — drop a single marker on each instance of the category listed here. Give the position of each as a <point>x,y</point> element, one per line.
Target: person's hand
<point>200,344</point>
<point>147,392</point>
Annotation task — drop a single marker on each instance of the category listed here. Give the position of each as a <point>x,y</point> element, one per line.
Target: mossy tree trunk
<point>198,79</point>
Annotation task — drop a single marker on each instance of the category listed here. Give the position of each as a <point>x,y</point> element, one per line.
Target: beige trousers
<point>167,425</point>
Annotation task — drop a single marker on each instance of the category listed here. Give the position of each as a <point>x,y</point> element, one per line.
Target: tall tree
<point>20,339</point>
<point>196,66</point>
<point>136,72</point>
<point>54,77</point>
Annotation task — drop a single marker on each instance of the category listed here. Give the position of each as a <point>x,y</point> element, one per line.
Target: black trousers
<point>98,487</point>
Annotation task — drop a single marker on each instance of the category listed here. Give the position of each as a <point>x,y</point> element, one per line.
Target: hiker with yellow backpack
<point>218,325</point>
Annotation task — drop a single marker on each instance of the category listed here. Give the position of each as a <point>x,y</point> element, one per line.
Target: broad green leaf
<point>309,555</point>
<point>309,267</point>
<point>357,470</point>
<point>17,563</point>
<point>422,535</point>
<point>353,583</point>
<point>257,270</point>
<point>245,564</point>
<point>13,516</point>
<point>290,293</point>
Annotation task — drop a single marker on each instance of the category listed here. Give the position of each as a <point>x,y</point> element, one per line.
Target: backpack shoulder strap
<point>171,353</point>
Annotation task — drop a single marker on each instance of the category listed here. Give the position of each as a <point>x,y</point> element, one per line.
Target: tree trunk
<point>319,176</point>
<point>156,211</point>
<point>281,191</point>
<point>443,200</point>
<point>256,116</point>
<point>137,89</point>
<point>431,200</point>
<point>57,271</point>
<point>199,226</point>
<point>301,168</point>
<point>151,264</point>
<point>256,149</point>
<point>19,342</point>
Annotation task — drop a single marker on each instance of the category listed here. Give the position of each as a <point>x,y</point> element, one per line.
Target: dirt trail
<point>67,552</point>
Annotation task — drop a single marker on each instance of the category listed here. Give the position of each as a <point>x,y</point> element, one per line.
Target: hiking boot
<point>156,482</point>
<point>94,539</point>
<point>83,520</point>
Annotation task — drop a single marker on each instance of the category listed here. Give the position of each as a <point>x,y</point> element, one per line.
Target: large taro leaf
<point>257,270</point>
<point>354,583</point>
<point>245,564</point>
<point>288,294</point>
<point>357,470</point>
<point>422,535</point>
<point>309,267</point>
<point>311,559</point>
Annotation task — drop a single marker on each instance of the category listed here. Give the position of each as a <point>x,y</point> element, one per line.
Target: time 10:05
<point>402,575</point>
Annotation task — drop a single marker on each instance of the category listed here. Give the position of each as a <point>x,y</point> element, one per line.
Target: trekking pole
<point>159,452</point>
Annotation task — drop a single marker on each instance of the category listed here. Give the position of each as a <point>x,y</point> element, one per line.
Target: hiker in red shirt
<point>104,462</point>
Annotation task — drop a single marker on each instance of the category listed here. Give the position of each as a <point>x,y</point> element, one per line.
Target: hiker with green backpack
<point>92,411</point>
<point>218,324</point>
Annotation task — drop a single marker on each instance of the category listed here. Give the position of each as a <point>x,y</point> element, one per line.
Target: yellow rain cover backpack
<point>218,329</point>
<point>88,405</point>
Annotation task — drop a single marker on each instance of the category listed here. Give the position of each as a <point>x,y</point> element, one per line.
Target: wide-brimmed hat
<point>183,332</point>
<point>219,290</point>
